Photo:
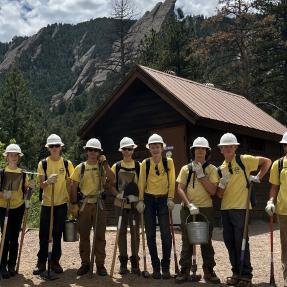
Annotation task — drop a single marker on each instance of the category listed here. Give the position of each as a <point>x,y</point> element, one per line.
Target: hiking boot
<point>135,265</point>
<point>12,271</point>
<point>156,275</point>
<point>4,272</point>
<point>166,275</point>
<point>101,270</point>
<point>210,276</point>
<point>181,277</point>
<point>123,267</point>
<point>40,268</point>
<point>84,269</point>
<point>56,267</point>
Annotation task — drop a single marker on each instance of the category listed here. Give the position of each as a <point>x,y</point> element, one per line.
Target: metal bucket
<point>71,231</point>
<point>197,231</point>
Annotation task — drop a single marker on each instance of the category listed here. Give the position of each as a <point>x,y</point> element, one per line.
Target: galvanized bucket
<point>71,231</point>
<point>197,231</point>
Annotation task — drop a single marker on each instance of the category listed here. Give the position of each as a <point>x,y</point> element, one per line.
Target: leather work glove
<point>197,168</point>
<point>170,204</point>
<point>52,178</point>
<point>254,178</point>
<point>224,181</point>
<point>102,158</point>
<point>74,210</point>
<point>193,209</point>
<point>270,207</point>
<point>132,198</point>
<point>140,206</point>
<point>120,196</point>
<point>7,194</point>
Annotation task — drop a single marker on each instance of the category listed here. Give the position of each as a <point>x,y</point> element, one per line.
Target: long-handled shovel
<point>245,232</point>
<point>173,243</point>
<point>145,273</point>
<point>134,232</point>
<point>194,277</point>
<point>47,275</point>
<point>272,277</point>
<point>4,230</point>
<point>117,237</point>
<point>24,223</point>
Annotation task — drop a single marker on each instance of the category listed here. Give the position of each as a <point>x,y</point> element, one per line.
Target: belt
<point>155,195</point>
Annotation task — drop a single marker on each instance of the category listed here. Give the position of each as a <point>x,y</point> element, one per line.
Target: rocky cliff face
<point>86,65</point>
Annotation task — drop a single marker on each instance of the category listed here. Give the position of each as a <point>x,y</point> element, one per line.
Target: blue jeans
<point>233,227</point>
<point>157,207</point>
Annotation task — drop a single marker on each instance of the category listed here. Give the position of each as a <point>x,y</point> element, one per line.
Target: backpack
<point>165,165</point>
<point>44,166</point>
<point>2,173</point>
<point>241,165</point>
<point>190,171</point>
<point>118,167</point>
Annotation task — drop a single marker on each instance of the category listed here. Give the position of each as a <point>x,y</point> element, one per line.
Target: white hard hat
<point>284,139</point>
<point>200,142</point>
<point>93,143</point>
<point>53,139</point>
<point>13,148</point>
<point>125,141</point>
<point>228,139</point>
<point>155,138</point>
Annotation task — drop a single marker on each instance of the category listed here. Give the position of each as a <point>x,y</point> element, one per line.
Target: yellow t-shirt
<point>157,184</point>
<point>236,192</point>
<point>17,195</point>
<point>198,195</point>
<point>128,165</point>
<point>61,195</point>
<point>90,182</point>
<point>281,203</point>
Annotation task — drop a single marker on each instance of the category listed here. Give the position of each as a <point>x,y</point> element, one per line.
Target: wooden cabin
<point>180,110</point>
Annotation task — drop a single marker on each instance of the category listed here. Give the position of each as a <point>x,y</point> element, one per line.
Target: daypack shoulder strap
<point>165,165</point>
<point>219,172</point>
<point>118,167</point>
<point>83,167</point>
<point>241,165</point>
<point>137,168</point>
<point>2,172</point>
<point>66,164</point>
<point>147,167</point>
<point>23,182</point>
<point>189,173</point>
<point>280,166</point>
<point>44,166</point>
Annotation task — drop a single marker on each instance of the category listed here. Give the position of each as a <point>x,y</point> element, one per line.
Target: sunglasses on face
<point>54,145</point>
<point>156,170</point>
<point>127,148</point>
<point>92,149</point>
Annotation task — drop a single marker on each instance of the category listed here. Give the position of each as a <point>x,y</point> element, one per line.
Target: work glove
<point>102,158</point>
<point>224,181</point>
<point>120,196</point>
<point>7,194</point>
<point>52,178</point>
<point>197,168</point>
<point>74,210</point>
<point>254,178</point>
<point>170,204</point>
<point>140,206</point>
<point>132,198</point>
<point>193,209</point>
<point>270,207</point>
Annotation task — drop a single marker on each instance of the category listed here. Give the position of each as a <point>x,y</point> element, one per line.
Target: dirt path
<point>71,261</point>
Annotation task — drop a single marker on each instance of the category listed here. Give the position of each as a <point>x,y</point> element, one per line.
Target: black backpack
<point>190,171</point>
<point>118,167</point>
<point>241,165</point>
<point>44,166</point>
<point>165,166</point>
<point>2,173</point>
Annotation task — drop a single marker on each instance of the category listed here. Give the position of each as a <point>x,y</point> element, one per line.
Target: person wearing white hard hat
<point>278,201</point>
<point>127,171</point>
<point>54,171</point>
<point>157,185</point>
<point>197,183</point>
<point>14,184</point>
<point>234,180</point>
<point>88,187</point>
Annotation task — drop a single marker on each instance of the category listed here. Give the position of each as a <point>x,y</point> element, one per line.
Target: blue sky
<point>26,17</point>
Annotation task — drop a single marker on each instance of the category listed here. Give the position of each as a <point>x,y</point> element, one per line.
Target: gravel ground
<point>70,261</point>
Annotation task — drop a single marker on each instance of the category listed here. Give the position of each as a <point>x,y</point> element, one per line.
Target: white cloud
<point>26,17</point>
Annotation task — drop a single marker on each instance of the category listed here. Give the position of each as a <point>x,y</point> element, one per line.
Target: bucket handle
<point>195,215</point>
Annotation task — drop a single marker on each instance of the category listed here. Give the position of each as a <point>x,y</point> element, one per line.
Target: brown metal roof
<point>214,104</point>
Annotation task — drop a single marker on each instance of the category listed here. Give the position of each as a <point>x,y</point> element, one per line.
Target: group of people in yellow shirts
<point>79,190</point>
